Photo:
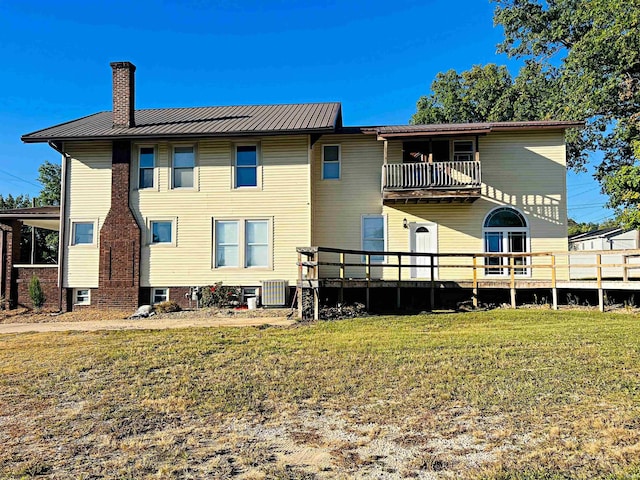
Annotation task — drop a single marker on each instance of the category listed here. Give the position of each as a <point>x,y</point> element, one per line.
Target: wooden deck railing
<point>407,176</point>
<point>514,268</point>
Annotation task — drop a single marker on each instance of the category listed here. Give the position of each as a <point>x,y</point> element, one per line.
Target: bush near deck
<point>500,394</point>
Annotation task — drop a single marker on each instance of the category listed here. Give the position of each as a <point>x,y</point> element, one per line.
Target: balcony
<point>437,182</point>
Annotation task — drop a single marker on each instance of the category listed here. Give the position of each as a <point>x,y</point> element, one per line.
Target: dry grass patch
<point>496,395</point>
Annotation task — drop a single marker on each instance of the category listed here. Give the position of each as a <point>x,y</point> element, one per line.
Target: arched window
<point>505,230</point>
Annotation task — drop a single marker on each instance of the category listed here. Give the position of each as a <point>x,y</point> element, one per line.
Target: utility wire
<point>19,178</point>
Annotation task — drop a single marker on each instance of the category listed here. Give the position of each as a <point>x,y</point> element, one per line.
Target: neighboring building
<point>158,201</point>
<point>612,238</point>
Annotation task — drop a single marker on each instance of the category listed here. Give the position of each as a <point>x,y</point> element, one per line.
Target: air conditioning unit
<point>274,293</point>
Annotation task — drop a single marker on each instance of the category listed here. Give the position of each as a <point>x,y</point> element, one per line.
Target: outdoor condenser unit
<point>274,293</point>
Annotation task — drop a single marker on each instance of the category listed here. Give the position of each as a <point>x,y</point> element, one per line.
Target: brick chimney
<point>123,94</point>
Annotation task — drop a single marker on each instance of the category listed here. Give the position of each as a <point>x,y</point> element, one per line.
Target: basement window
<point>82,296</point>
<point>160,295</point>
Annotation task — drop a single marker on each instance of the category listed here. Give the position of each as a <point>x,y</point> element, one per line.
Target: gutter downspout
<point>62,230</point>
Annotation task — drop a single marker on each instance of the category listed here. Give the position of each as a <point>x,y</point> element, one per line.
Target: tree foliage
<point>581,62</point>
<point>488,94</point>
<point>596,44</point>
<point>584,227</point>
<point>49,177</point>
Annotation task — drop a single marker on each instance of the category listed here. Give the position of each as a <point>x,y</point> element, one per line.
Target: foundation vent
<point>274,293</point>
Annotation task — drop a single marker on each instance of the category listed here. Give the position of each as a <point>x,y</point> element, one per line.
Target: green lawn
<point>521,394</point>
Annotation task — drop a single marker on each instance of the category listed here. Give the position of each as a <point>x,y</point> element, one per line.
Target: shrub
<point>219,295</point>
<point>36,293</point>
<point>167,307</point>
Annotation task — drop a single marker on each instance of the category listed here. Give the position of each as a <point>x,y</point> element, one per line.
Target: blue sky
<point>375,57</point>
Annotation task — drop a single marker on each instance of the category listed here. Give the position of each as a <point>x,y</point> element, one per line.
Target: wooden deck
<point>433,182</point>
<point>310,279</point>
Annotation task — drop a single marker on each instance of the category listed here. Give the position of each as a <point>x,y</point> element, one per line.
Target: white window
<point>331,162</point>
<point>374,235</point>
<point>82,233</point>
<point>246,166</point>
<point>227,241</point>
<point>463,150</point>
<point>184,161</point>
<point>146,165</point>
<point>505,230</point>
<point>161,231</point>
<point>242,243</point>
<point>82,296</point>
<point>160,295</point>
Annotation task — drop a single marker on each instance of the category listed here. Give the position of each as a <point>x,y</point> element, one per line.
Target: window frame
<point>471,153</point>
<point>193,168</point>
<point>215,243</point>
<point>72,229</point>
<point>505,245</point>
<point>76,291</point>
<point>174,231</point>
<point>339,161</point>
<point>385,238</point>
<point>154,169</point>
<point>242,243</point>
<point>157,289</point>
<point>236,167</point>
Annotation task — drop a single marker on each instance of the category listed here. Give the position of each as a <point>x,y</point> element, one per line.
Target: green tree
<point>595,45</point>
<point>36,293</point>
<point>488,93</point>
<point>49,177</point>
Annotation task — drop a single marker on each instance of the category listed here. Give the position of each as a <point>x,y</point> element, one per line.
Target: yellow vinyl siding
<point>525,170</point>
<point>88,198</point>
<point>283,199</point>
<point>340,204</point>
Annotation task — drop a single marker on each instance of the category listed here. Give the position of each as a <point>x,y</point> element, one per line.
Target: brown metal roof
<point>44,212</point>
<point>468,128</point>
<point>201,121</point>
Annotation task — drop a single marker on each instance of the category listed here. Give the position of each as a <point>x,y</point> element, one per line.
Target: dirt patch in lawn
<point>23,320</point>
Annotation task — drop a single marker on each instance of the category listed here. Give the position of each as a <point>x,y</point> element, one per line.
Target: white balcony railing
<point>407,176</point>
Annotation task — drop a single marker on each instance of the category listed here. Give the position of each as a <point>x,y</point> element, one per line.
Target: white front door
<point>424,239</point>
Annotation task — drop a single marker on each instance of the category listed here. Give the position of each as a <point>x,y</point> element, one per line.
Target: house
<point>612,238</point>
<point>599,241</point>
<point>158,201</point>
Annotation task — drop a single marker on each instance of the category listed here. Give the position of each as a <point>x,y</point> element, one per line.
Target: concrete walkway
<point>153,323</point>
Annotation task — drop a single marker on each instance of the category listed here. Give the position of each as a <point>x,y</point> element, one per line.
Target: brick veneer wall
<point>11,247</point>
<point>48,277</point>
<point>119,272</point>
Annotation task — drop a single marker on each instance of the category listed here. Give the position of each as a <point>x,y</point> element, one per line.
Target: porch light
<point>405,224</point>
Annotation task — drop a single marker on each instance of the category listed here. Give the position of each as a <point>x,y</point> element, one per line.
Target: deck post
<point>599,279</point>
<point>398,299</point>
<point>432,292</point>
<point>625,271</point>
<point>316,286</point>
<point>299,286</point>
<point>512,271</point>
<point>341,295</point>
<point>554,290</point>
<point>368,274</point>
<point>475,282</point>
